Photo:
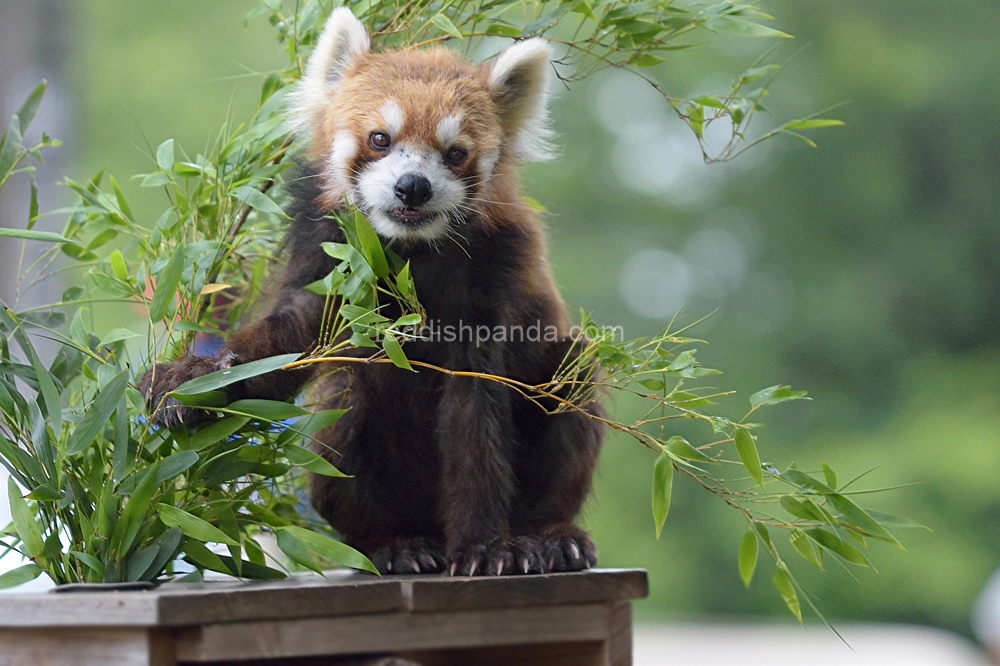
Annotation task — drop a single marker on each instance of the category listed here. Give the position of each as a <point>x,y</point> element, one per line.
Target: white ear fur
<point>344,40</point>
<point>519,79</point>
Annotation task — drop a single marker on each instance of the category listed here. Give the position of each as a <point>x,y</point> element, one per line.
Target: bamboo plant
<point>98,495</point>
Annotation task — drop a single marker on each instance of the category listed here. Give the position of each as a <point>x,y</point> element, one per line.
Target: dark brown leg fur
<point>456,473</point>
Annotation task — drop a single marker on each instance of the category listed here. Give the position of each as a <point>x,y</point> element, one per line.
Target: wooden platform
<point>577,619</point>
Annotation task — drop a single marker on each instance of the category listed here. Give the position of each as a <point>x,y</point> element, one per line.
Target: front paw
<point>166,410</point>
<point>569,552</point>
<point>522,555</point>
<point>409,555</point>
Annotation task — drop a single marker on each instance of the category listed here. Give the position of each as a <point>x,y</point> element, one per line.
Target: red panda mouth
<point>410,216</point>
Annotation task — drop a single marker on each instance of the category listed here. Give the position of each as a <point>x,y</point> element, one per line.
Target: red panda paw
<point>409,555</point>
<point>165,410</point>
<point>574,552</point>
<point>521,556</point>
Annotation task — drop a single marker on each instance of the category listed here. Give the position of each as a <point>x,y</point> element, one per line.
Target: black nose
<point>412,190</point>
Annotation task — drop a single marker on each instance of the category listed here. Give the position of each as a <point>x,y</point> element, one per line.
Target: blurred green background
<point>866,272</point>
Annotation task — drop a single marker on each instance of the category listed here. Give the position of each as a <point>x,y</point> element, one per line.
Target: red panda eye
<point>456,155</point>
<point>379,140</point>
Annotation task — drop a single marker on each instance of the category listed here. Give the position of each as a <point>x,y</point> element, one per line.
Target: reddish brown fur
<point>446,471</point>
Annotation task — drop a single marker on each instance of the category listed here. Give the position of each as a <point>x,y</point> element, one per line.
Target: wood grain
<point>619,643</point>
<point>84,647</point>
<point>579,619</point>
<point>296,598</point>
<point>585,587</point>
<point>200,603</point>
<point>589,653</point>
<point>302,596</point>
<point>393,632</point>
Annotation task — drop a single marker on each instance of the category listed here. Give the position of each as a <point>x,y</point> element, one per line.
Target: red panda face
<point>419,146</point>
<point>416,139</point>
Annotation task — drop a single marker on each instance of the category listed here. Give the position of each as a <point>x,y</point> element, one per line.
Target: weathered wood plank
<point>585,587</point>
<point>108,609</point>
<point>394,631</point>
<point>296,598</point>
<point>619,643</point>
<point>590,653</point>
<point>313,596</point>
<point>84,647</point>
<point>201,603</point>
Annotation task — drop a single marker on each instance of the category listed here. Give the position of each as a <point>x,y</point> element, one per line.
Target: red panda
<point>450,474</point>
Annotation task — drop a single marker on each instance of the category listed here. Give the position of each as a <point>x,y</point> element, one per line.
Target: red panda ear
<point>519,82</point>
<point>343,41</point>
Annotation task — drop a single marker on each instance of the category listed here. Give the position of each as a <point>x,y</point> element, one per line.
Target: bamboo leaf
<point>896,522</point>
<point>120,198</point>
<point>748,454</point>
<point>166,549</point>
<point>166,285</point>
<point>193,526</point>
<point>213,288</point>
<point>330,549</point>
<point>47,388</point>
<point>139,561</point>
<point>812,123</point>
<point>804,548</point>
<point>682,448</point>
<point>98,414</point>
<point>127,527</point>
<point>31,234</point>
<point>30,106</point>
<point>165,155</point>
<point>257,200</point>
<point>117,335</point>
<point>118,266</point>
<point>836,545</point>
<point>313,462</point>
<point>222,378</point>
<point>371,246</point>
<point>803,509</point>
<point>90,561</point>
<point>296,551</point>
<point>45,493</point>
<point>783,584</point>
<point>403,281</point>
<point>175,464</point>
<point>27,528</point>
<point>775,394</point>
<point>395,352</point>
<point>734,26</point>
<point>266,410</point>
<point>215,432</point>
<point>445,25</point>
<point>748,557</point>
<point>830,476</point>
<point>858,517</point>
<point>20,575</point>
<point>663,481</point>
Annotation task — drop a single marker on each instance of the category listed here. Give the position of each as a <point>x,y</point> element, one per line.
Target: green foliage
<point>110,499</point>
<point>588,37</point>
